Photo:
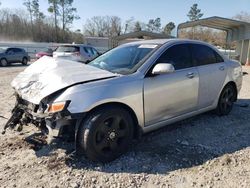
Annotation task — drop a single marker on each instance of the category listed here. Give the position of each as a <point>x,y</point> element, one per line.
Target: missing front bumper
<point>52,125</point>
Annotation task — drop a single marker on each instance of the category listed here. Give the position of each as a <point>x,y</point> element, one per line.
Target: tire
<point>25,61</point>
<point>226,100</point>
<point>105,134</point>
<point>3,62</point>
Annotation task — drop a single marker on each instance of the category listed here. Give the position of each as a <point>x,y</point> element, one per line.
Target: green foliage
<point>67,13</point>
<point>154,25</point>
<point>169,28</point>
<point>194,13</point>
<point>137,26</point>
<point>53,6</point>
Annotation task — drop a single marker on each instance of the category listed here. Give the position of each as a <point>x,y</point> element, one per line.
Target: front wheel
<point>25,61</point>
<point>105,134</point>
<point>3,62</point>
<point>226,100</point>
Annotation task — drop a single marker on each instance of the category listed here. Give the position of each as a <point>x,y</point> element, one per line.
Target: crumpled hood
<point>48,75</point>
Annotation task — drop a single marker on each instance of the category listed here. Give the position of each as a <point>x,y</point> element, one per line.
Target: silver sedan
<point>132,89</point>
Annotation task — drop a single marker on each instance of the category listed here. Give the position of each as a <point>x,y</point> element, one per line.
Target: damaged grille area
<point>23,114</point>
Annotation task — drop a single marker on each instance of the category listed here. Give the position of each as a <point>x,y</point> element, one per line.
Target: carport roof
<point>216,23</point>
<point>138,34</point>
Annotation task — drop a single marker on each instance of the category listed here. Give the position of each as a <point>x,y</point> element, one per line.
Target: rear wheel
<point>105,134</point>
<point>3,62</point>
<point>227,98</point>
<point>25,61</point>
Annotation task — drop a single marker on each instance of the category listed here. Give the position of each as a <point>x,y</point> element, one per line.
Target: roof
<point>216,23</point>
<point>82,45</point>
<point>138,34</point>
<point>164,41</point>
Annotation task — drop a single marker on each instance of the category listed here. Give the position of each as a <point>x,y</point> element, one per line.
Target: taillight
<point>77,54</point>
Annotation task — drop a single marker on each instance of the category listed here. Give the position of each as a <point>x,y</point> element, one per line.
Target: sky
<point>143,10</point>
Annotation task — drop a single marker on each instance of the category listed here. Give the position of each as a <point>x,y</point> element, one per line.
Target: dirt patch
<point>203,151</point>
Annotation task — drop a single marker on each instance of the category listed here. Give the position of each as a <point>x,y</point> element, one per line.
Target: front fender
<point>85,97</point>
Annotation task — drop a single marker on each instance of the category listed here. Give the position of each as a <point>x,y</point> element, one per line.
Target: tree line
<point>106,26</point>
<point>54,25</point>
<point>30,23</point>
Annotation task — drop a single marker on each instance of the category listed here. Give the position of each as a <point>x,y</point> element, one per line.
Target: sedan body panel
<point>212,78</point>
<point>123,90</point>
<point>170,95</point>
<point>155,100</point>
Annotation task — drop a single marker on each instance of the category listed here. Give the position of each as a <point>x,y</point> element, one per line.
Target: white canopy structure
<point>238,31</point>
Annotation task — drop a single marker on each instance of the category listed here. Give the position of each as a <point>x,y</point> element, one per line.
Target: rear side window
<point>68,49</point>
<point>89,51</point>
<point>17,50</point>
<point>179,56</point>
<point>204,55</point>
<point>94,51</point>
<point>219,59</point>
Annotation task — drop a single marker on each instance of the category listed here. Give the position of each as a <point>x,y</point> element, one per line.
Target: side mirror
<point>163,68</point>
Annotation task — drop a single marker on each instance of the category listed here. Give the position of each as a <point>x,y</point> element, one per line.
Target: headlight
<point>57,106</point>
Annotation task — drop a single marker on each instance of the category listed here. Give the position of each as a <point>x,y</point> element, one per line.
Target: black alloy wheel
<point>106,134</point>
<point>226,101</point>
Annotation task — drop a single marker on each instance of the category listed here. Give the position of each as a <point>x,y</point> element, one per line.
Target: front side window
<point>123,60</point>
<point>203,55</point>
<point>89,51</point>
<point>179,56</point>
<point>95,53</point>
<point>10,51</point>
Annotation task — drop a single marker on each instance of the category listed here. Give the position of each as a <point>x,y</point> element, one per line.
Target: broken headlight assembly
<point>57,107</point>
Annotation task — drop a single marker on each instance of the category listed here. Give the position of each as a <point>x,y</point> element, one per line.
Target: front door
<point>10,55</point>
<point>173,94</point>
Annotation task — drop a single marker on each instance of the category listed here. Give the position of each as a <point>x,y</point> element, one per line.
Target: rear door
<point>212,72</point>
<point>171,95</point>
<point>18,54</point>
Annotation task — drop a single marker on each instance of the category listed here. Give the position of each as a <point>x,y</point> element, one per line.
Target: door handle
<point>190,75</point>
<point>222,68</point>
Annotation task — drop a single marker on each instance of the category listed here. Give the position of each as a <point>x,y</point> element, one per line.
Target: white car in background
<point>76,52</point>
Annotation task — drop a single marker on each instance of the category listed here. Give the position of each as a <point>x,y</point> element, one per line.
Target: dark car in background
<point>13,55</point>
<point>46,52</point>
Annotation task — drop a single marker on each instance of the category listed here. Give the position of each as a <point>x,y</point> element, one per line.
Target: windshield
<point>123,60</point>
<point>2,50</point>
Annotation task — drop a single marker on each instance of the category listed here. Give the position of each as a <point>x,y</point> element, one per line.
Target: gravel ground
<point>203,151</point>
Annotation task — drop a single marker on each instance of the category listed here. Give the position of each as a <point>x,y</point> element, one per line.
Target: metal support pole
<point>248,53</point>
<point>241,51</point>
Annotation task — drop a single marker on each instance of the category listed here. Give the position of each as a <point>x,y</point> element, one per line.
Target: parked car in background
<point>13,55</point>
<point>47,52</point>
<point>132,89</point>
<point>75,52</point>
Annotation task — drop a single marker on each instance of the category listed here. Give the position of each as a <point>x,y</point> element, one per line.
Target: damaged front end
<point>38,89</point>
<point>52,119</point>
